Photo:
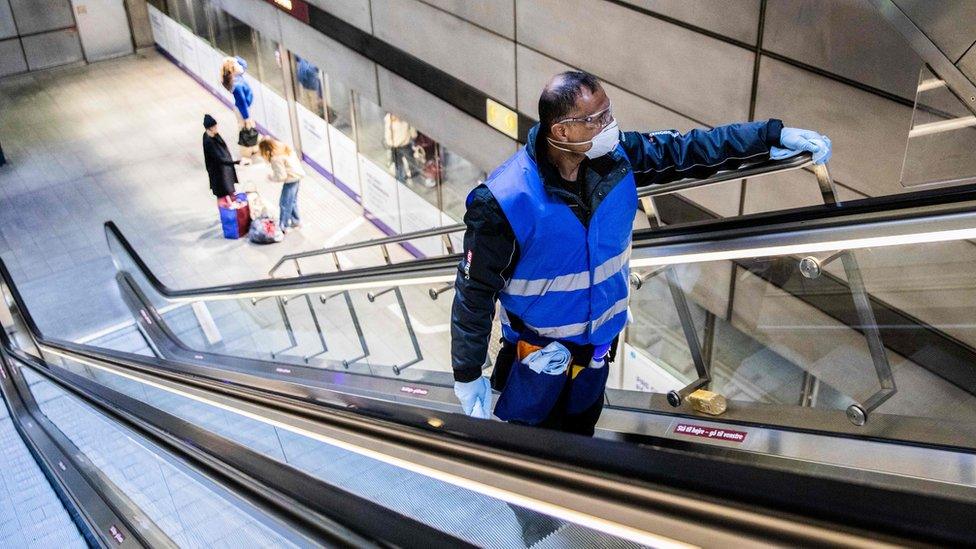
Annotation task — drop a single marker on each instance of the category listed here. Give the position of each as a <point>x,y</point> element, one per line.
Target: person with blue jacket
<point>548,235</point>
<point>232,78</point>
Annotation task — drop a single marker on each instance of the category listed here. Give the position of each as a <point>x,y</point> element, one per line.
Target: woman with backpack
<point>286,169</point>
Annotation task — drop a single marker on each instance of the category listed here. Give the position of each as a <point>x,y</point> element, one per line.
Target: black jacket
<point>220,165</point>
<point>490,243</point>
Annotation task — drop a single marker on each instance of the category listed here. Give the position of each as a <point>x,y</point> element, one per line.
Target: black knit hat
<point>208,121</point>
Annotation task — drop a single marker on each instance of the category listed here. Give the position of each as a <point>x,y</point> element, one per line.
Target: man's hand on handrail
<point>795,141</point>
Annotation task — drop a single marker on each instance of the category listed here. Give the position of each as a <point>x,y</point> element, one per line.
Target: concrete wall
<point>43,31</point>
<point>833,66</point>
<point>41,34</point>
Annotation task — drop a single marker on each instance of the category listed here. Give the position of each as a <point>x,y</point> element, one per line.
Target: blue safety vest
<point>571,282</point>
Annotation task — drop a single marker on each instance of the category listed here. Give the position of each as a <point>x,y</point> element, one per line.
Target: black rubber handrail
<point>852,213</point>
<point>751,170</point>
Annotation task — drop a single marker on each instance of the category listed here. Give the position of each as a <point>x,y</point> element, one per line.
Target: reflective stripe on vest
<point>571,282</point>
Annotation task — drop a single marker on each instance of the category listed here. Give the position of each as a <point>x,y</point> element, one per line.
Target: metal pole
<point>691,336</point>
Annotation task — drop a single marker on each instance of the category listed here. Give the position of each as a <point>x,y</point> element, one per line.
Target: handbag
<point>235,216</point>
<point>248,137</point>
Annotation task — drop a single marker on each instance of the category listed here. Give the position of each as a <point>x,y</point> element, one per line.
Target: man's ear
<point>558,132</point>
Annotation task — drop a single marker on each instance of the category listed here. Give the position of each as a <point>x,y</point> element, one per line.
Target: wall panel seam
<point>468,21</point>
<point>28,35</point>
<point>956,62</point>
<point>614,84</point>
<point>779,57</point>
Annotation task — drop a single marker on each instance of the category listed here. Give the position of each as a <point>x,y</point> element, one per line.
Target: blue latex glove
<point>475,397</point>
<point>795,141</point>
<point>600,353</point>
<point>553,359</point>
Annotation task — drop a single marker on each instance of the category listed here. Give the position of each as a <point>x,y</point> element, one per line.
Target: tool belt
<point>528,397</point>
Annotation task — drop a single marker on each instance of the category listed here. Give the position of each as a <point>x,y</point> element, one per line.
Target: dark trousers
<point>402,158</point>
<point>3,159</point>
<point>583,423</point>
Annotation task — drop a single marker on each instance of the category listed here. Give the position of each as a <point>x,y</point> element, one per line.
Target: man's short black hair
<point>559,98</point>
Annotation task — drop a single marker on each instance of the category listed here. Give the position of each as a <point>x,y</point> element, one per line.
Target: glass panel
<point>942,139</point>
<point>188,508</point>
<point>362,331</point>
<point>179,11</point>
<point>385,139</point>
<point>308,85</point>
<point>270,71</point>
<point>795,334</point>
<point>201,25</point>
<point>223,30</point>
<point>458,177</point>
<point>339,105</point>
<point>243,42</point>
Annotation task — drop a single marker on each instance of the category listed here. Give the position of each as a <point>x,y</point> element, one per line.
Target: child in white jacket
<point>286,169</point>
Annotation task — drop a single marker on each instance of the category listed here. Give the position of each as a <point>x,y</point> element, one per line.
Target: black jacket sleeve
<point>490,255</point>
<point>214,154</point>
<point>660,157</point>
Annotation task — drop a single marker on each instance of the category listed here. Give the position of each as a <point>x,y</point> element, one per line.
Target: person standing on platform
<point>286,169</point>
<point>548,235</point>
<point>232,78</point>
<point>220,164</point>
<point>398,137</point>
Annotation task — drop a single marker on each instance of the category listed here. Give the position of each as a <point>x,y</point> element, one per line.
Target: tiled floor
<point>120,140</point>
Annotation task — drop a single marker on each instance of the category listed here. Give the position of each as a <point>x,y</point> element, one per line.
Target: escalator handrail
<point>395,239</point>
<point>755,169</point>
<point>853,215</point>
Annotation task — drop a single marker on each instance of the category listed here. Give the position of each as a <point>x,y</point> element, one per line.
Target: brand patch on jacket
<point>467,265</point>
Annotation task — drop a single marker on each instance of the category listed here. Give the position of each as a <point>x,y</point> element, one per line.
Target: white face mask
<point>601,144</point>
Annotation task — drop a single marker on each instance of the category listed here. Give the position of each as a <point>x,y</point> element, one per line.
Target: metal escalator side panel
<point>307,504</point>
<point>960,85</point>
<point>103,514</point>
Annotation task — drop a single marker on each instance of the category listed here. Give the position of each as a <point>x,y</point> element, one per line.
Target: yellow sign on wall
<point>502,119</point>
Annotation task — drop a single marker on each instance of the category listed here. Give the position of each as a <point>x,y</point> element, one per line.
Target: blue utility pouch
<point>528,397</point>
<point>586,388</point>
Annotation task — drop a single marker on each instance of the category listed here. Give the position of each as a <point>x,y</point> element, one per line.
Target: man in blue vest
<point>549,234</point>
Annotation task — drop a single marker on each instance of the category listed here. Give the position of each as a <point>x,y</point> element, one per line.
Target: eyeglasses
<point>602,118</point>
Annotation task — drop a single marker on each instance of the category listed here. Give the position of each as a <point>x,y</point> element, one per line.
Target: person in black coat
<point>220,164</point>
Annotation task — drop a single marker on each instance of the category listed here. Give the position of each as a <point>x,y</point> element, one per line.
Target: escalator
<point>311,329</point>
<point>447,479</point>
<point>838,425</point>
<point>147,462</point>
<point>336,380</point>
<point>127,484</point>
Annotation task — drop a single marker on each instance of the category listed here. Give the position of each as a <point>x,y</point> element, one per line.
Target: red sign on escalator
<point>715,433</point>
